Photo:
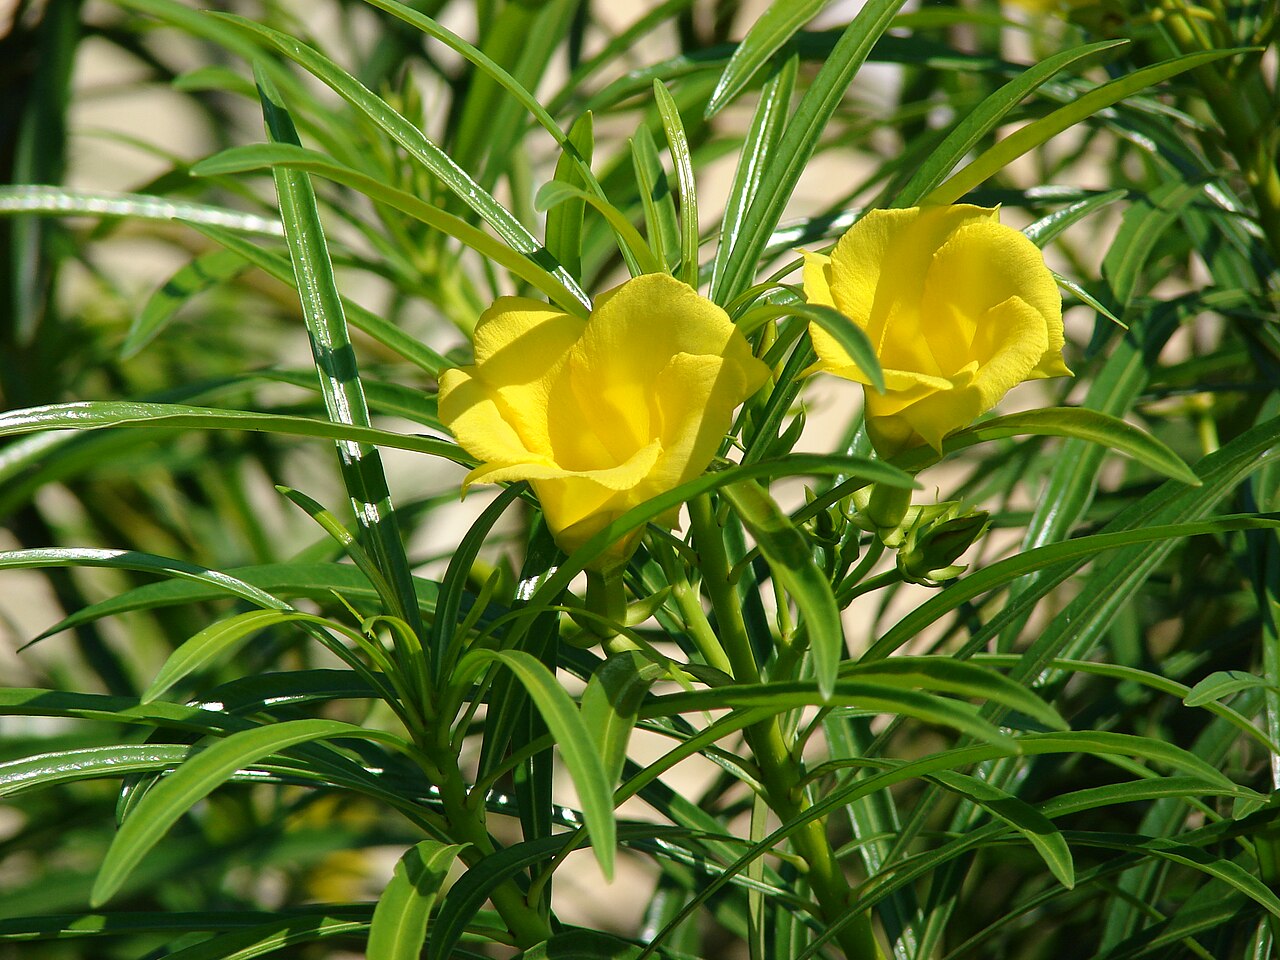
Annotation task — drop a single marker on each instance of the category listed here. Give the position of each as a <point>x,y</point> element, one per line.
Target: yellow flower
<point>958,307</point>
<point>602,414</point>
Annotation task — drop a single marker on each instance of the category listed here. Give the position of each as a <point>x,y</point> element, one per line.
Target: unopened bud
<point>936,540</point>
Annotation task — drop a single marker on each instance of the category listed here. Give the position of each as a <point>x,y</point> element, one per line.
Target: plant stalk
<point>779,772</point>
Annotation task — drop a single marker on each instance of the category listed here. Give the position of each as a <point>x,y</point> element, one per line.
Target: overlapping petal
<point>603,414</point>
<point>959,307</point>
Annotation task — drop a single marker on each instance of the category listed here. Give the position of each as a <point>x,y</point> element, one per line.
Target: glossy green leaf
<point>94,415</point>
<point>659,206</point>
<point>1076,551</point>
<point>635,251</point>
<point>273,937</point>
<point>1218,686</point>
<point>293,157</point>
<point>214,642</point>
<point>611,705</point>
<point>1038,830</point>
<point>767,125</point>
<point>979,122</point>
<point>399,927</point>
<point>767,36</point>
<point>790,557</point>
<point>285,581</point>
<point>566,725</point>
<point>413,140</point>
<point>801,139</point>
<point>172,797</point>
<point>1074,422</point>
<point>564,221</point>
<point>58,201</point>
<point>851,337</point>
<point>997,157</point>
<point>678,147</point>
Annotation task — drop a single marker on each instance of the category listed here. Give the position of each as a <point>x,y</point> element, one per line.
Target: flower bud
<point>937,538</point>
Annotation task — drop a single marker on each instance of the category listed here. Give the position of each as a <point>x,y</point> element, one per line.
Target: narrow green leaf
<point>678,146</point>
<point>801,139</point>
<point>635,251</point>
<point>335,362</point>
<point>273,937</point>
<point>293,157</point>
<point>57,201</point>
<point>959,678</point>
<point>1140,230</point>
<point>611,704</point>
<point>767,125</point>
<point>1048,227</point>
<point>1075,422</point>
<point>173,796</point>
<point>1038,829</point>
<point>1088,299</point>
<point>64,766</point>
<point>872,696</point>
<point>766,37</point>
<point>984,118</point>
<point>443,641</point>
<point>564,221</point>
<point>1076,551</point>
<point>204,272</point>
<point>215,641</point>
<point>413,140</point>
<point>566,725</point>
<point>286,581</point>
<point>851,337</point>
<point>997,157</point>
<point>790,557</point>
<point>655,197</point>
<point>379,329</point>
<point>97,414</point>
<point>1218,686</point>
<point>399,927</point>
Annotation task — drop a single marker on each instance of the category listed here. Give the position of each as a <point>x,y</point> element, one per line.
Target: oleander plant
<point>606,481</point>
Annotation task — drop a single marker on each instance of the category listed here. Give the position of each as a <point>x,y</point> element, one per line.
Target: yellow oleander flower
<point>958,307</point>
<point>602,414</point>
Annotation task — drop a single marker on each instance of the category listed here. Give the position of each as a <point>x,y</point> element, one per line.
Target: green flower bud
<point>937,538</point>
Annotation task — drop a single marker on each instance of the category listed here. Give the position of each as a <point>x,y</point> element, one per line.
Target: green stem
<point>607,599</point>
<point>466,824</point>
<point>780,773</point>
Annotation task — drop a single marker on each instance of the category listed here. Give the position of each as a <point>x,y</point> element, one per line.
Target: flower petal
<point>521,348</point>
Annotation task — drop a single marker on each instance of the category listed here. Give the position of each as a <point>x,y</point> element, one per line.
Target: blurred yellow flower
<point>959,308</point>
<point>602,414</point>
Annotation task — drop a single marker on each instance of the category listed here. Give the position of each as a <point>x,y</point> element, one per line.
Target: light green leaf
<point>413,140</point>
<point>399,926</point>
<point>293,157</point>
<point>97,414</point>
<point>766,37</point>
<point>1218,686</point>
<point>611,704</point>
<point>1038,829</point>
<point>791,560</point>
<point>997,157</point>
<point>566,725</point>
<point>173,796</point>
<point>1075,422</point>
<point>801,139</point>
<point>217,640</point>
<point>678,146</point>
